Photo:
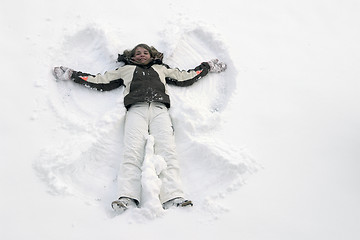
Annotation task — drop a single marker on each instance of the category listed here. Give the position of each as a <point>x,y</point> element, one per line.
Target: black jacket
<point>143,83</point>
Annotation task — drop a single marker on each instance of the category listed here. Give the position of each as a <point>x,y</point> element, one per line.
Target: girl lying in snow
<point>146,99</point>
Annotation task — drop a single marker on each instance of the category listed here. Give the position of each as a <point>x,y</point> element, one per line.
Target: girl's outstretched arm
<point>186,78</point>
<point>106,82</point>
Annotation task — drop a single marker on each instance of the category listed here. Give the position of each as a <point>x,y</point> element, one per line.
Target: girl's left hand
<point>217,66</point>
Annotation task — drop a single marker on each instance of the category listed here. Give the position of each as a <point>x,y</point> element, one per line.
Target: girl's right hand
<point>62,73</point>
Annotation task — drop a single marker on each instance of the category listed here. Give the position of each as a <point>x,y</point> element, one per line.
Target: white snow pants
<point>143,119</point>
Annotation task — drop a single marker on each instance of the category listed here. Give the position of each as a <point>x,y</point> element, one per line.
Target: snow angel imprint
<point>145,78</point>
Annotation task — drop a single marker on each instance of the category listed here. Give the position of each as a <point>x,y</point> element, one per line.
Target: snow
<point>268,149</point>
<point>151,184</point>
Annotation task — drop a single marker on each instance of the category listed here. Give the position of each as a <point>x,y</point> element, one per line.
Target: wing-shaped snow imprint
<point>210,167</point>
<point>85,162</point>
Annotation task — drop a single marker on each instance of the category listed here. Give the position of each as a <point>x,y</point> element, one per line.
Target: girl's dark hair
<point>128,54</point>
<point>143,45</point>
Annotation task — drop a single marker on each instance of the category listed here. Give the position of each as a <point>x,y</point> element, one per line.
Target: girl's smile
<point>141,55</point>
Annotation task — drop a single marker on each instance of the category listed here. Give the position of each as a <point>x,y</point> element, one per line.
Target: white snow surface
<point>268,149</point>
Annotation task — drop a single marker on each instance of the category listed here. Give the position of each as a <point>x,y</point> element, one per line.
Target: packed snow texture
<point>151,184</point>
<point>85,163</point>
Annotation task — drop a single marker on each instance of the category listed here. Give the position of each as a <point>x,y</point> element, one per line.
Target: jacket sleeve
<point>105,82</point>
<point>186,78</point>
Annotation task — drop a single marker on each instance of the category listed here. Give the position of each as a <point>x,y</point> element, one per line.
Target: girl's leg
<point>135,133</point>
<point>162,130</point>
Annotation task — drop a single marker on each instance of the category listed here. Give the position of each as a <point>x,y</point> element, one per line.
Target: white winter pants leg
<point>143,119</point>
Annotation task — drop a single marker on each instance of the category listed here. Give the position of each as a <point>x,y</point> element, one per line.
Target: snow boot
<point>123,204</point>
<point>177,202</point>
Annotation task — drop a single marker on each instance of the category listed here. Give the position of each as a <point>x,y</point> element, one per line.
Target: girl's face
<point>141,55</point>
